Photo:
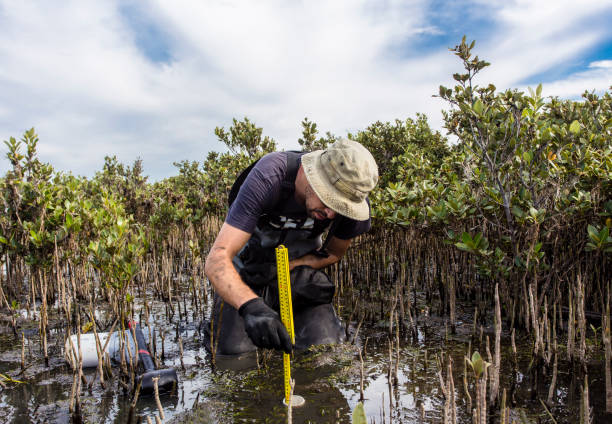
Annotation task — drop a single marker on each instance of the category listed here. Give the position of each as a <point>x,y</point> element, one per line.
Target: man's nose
<point>329,213</point>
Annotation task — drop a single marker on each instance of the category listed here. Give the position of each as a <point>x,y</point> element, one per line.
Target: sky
<point>151,79</point>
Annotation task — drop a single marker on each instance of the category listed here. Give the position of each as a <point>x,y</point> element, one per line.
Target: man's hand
<point>335,251</point>
<point>263,325</point>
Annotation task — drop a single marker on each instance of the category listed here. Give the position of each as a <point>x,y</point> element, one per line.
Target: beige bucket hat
<point>342,176</point>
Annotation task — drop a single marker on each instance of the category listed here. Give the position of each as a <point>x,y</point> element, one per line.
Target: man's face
<point>315,207</point>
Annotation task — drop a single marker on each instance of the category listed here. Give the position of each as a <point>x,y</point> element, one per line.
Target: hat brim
<point>328,193</point>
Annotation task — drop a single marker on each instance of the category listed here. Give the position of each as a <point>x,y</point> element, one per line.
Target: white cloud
<point>601,64</point>
<point>74,70</point>
<point>597,78</point>
<point>535,37</point>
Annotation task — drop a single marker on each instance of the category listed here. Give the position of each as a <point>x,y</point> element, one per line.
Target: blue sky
<point>152,79</point>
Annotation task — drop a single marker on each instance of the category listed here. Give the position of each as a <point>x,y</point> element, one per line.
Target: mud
<point>250,389</point>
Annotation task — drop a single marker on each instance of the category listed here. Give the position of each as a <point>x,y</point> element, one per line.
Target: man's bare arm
<point>220,270</point>
<point>336,249</point>
<point>261,323</point>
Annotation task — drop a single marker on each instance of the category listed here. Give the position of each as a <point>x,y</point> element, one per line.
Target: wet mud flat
<point>401,387</point>
<point>394,371</point>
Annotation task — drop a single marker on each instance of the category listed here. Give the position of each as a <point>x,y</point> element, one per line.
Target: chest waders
<point>312,291</point>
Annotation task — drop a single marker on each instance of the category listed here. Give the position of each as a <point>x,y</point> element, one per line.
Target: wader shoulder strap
<point>238,183</point>
<point>293,165</point>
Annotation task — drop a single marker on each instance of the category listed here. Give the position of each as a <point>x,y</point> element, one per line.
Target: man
<point>287,198</point>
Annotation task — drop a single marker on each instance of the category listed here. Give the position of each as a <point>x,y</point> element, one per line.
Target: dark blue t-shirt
<point>261,191</point>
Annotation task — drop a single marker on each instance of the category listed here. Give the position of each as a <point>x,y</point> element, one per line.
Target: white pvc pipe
<point>89,351</point>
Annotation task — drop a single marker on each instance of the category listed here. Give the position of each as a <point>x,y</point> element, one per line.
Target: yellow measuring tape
<point>286,309</point>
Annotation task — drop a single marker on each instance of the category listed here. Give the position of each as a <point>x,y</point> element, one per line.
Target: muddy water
<point>250,389</point>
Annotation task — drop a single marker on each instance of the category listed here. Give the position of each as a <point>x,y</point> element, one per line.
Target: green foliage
<point>36,213</point>
<point>477,364</point>
<point>221,172</point>
<point>524,169</point>
<point>128,183</point>
<point>111,220</point>
<point>389,141</point>
<point>118,245</point>
<point>477,245</point>
<point>359,416</point>
<point>309,141</point>
<point>245,137</point>
<point>599,239</point>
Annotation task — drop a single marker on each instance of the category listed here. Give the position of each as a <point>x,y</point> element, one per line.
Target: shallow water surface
<point>250,389</point>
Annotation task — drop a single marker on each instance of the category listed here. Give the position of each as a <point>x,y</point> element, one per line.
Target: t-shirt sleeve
<point>259,192</point>
<point>349,228</point>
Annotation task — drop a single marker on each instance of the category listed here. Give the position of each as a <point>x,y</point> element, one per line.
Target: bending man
<point>292,199</point>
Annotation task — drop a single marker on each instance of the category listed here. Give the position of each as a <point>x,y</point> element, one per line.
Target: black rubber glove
<point>263,325</point>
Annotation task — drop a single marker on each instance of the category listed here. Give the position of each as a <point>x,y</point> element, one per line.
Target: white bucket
<point>89,351</point>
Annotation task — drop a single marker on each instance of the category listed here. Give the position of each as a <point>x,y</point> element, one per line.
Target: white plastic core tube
<point>90,353</point>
